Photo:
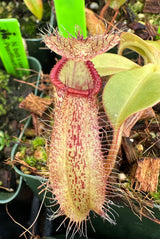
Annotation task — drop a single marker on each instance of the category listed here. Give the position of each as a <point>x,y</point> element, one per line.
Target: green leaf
<point>2,140</point>
<point>149,51</point>
<point>108,64</point>
<point>36,7</point>
<point>131,91</point>
<point>155,44</point>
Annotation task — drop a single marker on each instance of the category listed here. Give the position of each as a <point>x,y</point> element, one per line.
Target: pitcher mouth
<point>85,82</point>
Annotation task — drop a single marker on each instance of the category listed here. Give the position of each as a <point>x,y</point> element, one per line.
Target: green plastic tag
<point>12,50</point>
<point>70,14</point>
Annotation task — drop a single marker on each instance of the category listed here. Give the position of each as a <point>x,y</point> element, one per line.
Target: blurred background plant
<point>30,24</point>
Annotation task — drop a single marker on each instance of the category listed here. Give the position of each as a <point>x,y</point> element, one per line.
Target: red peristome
<point>95,76</point>
<point>54,75</point>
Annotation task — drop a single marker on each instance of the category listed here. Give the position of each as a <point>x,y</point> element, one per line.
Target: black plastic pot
<point>32,181</point>
<point>6,197</point>
<point>37,49</point>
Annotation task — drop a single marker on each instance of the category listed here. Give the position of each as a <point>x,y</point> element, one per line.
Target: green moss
<point>34,154</point>
<point>4,89</point>
<point>5,140</point>
<point>154,19</point>
<point>38,141</point>
<point>137,7</point>
<point>34,162</point>
<point>4,79</point>
<point>22,151</point>
<point>18,98</point>
<point>44,156</point>
<point>156,195</point>
<point>31,161</point>
<point>2,110</point>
